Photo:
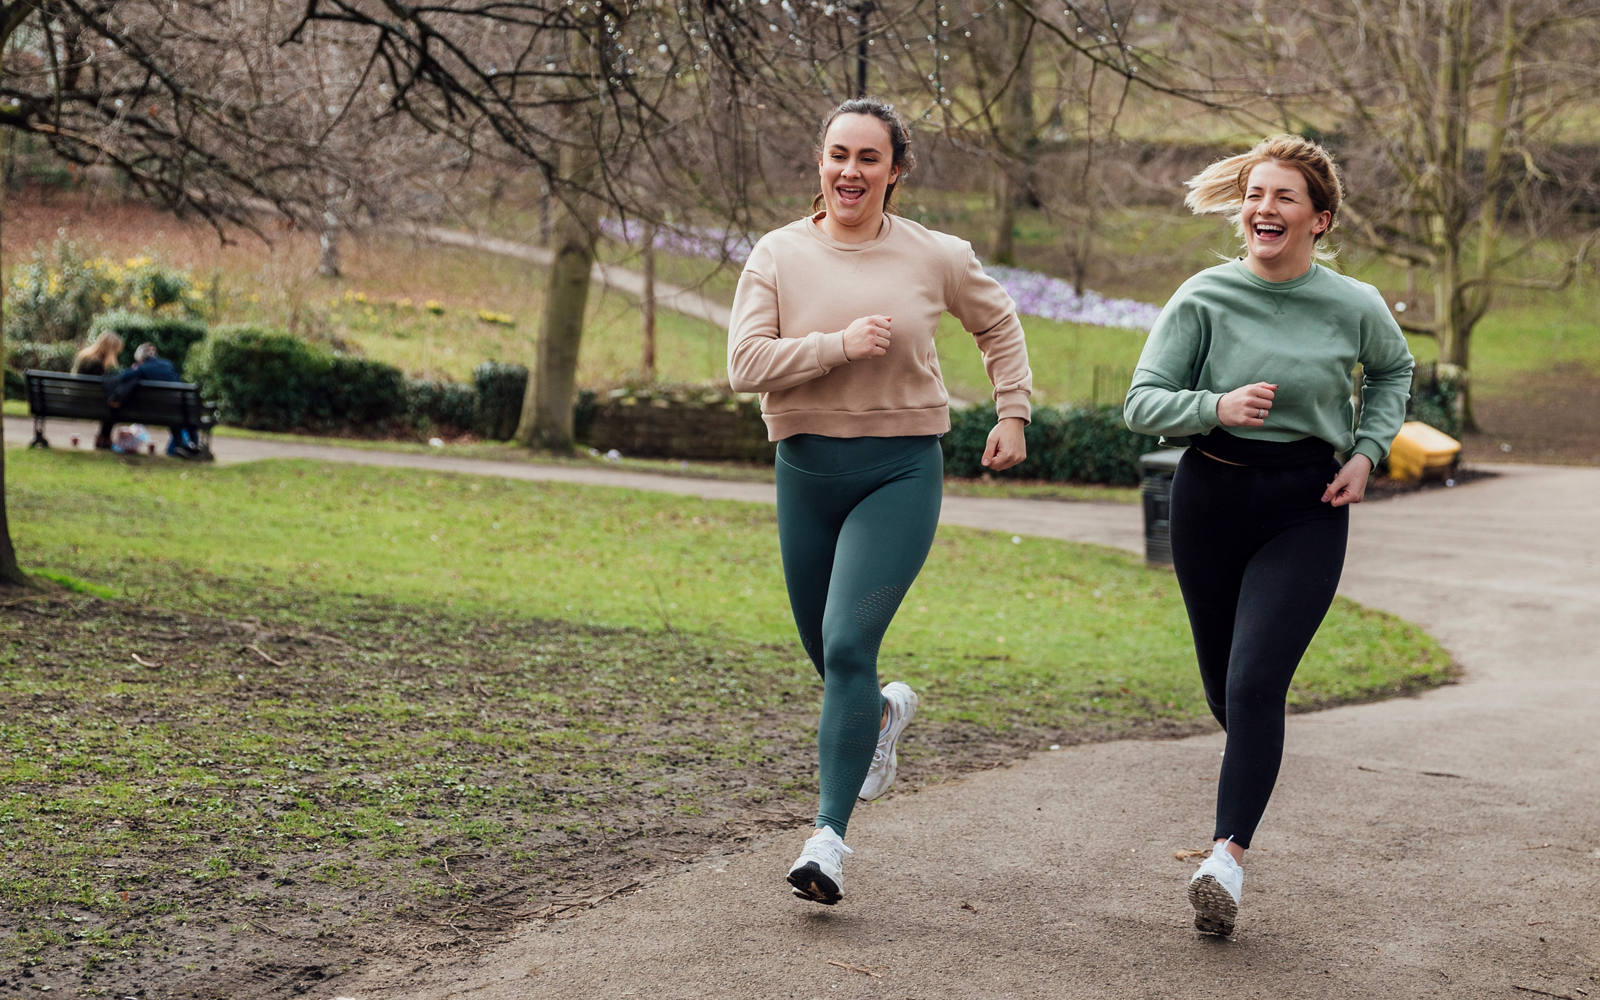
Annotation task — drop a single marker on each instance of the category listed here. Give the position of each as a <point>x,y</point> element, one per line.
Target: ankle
<point>1232,849</point>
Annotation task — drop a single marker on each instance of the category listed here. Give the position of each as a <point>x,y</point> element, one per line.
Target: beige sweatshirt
<point>799,291</point>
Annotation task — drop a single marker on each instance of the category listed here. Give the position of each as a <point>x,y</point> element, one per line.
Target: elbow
<point>1131,415</point>
<point>740,377</point>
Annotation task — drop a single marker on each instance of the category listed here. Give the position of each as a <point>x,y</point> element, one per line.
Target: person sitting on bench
<point>150,366</point>
<point>99,358</point>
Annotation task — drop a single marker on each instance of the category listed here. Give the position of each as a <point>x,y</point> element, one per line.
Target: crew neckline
<point>1243,268</point>
<point>814,226</point>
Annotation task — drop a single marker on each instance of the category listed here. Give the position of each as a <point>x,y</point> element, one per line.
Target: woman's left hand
<point>1350,485</point>
<point>1006,445</point>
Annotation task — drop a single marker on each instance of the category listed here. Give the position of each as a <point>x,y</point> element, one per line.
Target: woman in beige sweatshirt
<point>833,323</point>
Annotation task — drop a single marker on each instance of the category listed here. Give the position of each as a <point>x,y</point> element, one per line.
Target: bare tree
<point>1453,113</point>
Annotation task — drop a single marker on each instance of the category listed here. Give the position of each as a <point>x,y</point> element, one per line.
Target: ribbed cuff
<point>830,350</point>
<point>1014,403</point>
<point>1369,448</point>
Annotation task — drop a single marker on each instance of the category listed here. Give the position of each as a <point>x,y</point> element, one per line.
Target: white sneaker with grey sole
<point>818,873</point>
<point>1215,890</point>
<point>902,705</point>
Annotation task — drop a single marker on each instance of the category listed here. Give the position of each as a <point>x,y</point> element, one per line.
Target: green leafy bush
<point>273,381</point>
<point>1436,397</point>
<point>500,388</point>
<point>260,378</point>
<point>1081,444</point>
<point>55,295</point>
<point>441,403</point>
<point>173,336</point>
<point>28,354</point>
<point>360,393</point>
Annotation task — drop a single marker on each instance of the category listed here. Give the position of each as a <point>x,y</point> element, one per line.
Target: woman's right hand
<point>1247,406</point>
<point>866,337</point>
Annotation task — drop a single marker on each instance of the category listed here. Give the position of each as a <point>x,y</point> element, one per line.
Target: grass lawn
<point>292,708</point>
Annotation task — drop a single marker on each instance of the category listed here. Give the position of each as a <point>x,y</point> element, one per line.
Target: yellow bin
<point>1420,450</point>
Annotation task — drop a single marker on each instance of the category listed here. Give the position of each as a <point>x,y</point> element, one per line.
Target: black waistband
<point>1248,451</point>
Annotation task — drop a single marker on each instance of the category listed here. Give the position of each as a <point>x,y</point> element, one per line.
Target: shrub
<point>172,336</point>
<point>273,381</point>
<point>260,378</point>
<point>1083,444</point>
<point>440,403</point>
<point>29,354</point>
<point>144,283</point>
<point>361,393</point>
<point>583,413</point>
<point>500,388</point>
<point>1436,397</point>
<point>1097,447</point>
<point>56,294</point>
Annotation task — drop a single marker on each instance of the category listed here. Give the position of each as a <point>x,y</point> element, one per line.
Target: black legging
<point>1258,556</point>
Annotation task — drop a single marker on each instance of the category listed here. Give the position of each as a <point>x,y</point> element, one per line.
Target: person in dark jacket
<point>150,366</point>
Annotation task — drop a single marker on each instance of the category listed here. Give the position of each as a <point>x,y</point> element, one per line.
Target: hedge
<point>440,403</point>
<point>499,388</point>
<point>22,355</point>
<point>172,336</point>
<point>267,380</point>
<point>1080,444</point>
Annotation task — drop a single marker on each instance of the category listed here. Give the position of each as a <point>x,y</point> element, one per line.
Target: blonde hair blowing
<point>1219,189</point>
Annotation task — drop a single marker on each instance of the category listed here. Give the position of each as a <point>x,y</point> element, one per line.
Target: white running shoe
<point>818,874</point>
<point>1215,890</point>
<point>902,702</point>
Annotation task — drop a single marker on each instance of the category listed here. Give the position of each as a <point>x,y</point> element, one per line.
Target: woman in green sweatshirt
<point>833,324</point>
<point>1250,365</point>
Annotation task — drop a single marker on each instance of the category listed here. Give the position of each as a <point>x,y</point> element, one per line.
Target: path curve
<point>1446,845</point>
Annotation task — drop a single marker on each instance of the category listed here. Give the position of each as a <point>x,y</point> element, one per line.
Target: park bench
<point>83,397</point>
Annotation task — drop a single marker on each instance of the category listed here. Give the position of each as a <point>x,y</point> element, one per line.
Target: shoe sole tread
<point>809,883</point>
<point>1215,911</point>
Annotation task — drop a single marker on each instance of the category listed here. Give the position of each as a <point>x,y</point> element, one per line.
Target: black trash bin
<point>1155,489</point>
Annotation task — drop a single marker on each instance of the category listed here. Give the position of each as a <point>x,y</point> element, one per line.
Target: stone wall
<point>687,426</point>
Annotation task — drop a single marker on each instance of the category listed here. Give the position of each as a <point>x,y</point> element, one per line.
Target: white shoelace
<point>829,849</point>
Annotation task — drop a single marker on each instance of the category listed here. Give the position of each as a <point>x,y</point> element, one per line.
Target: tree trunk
<point>328,266</point>
<point>547,408</point>
<point>1004,250</point>
<point>647,307</point>
<point>11,575</point>
<point>1017,185</point>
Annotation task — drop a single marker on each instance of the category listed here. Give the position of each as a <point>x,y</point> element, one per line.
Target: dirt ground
<point>278,928</point>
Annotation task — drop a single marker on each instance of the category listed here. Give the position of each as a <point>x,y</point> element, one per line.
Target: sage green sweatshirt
<point>1227,327</point>
<point>799,291</point>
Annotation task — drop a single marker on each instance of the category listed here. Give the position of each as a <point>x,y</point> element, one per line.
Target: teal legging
<point>856,518</point>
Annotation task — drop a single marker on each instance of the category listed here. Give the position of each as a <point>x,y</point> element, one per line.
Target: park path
<point>1446,845</point>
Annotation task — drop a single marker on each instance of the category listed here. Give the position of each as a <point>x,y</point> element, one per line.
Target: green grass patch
<point>988,616</point>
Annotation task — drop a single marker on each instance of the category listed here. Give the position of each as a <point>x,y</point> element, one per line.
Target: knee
<point>848,651</point>
<point>1219,711</point>
<point>1256,697</point>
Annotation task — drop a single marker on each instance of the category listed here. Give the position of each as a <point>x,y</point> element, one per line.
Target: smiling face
<point>856,170</point>
<point>1280,222</point>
